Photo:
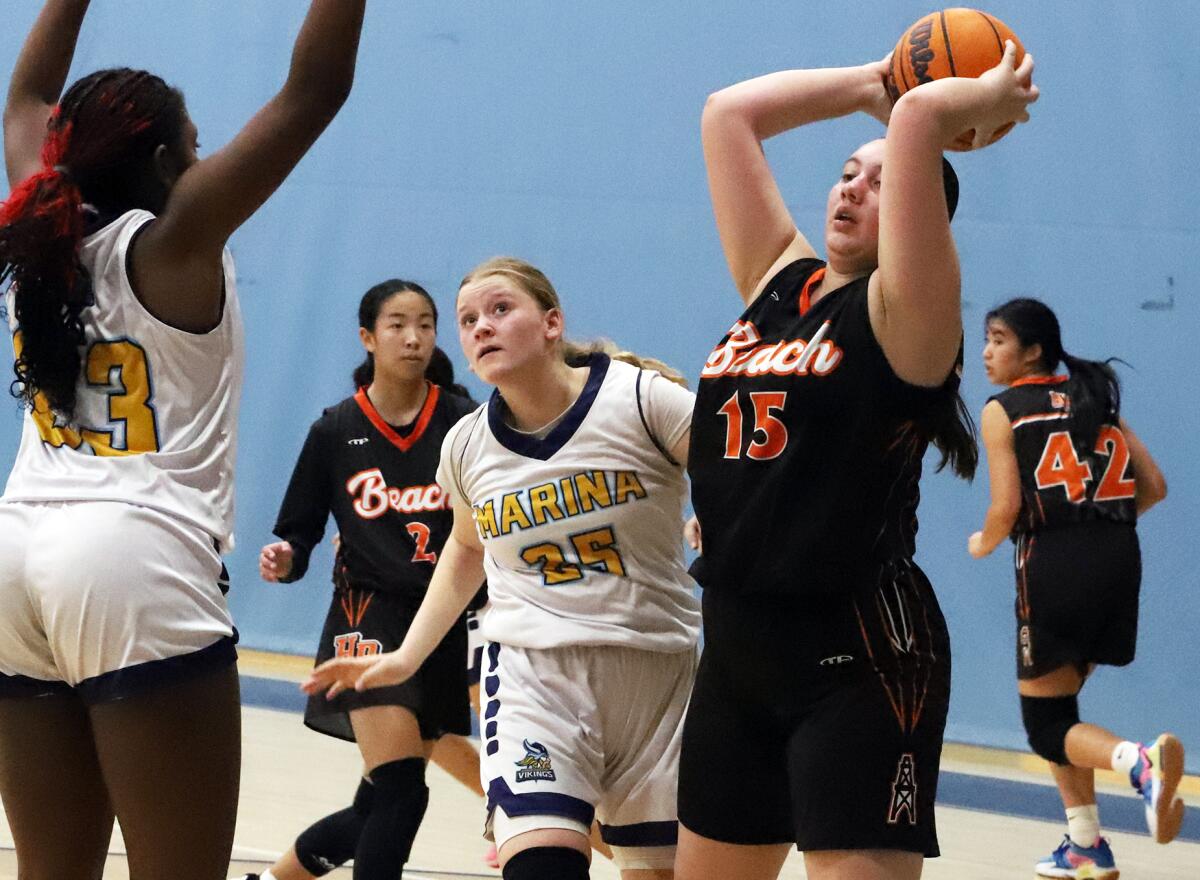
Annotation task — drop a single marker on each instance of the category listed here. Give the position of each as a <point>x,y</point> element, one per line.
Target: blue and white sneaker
<point>1156,776</point>
<point>1079,862</point>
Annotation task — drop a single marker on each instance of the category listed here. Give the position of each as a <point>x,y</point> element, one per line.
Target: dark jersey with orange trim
<point>1063,480</point>
<point>805,452</point>
<point>379,483</point>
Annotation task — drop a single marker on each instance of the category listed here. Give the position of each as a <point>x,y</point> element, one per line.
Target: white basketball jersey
<point>582,530</point>
<point>156,414</point>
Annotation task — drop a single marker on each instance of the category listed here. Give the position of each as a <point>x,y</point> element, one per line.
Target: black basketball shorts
<point>819,721</point>
<point>1077,597</point>
<point>363,622</point>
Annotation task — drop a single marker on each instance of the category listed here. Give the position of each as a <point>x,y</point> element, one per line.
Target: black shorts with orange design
<point>1077,597</point>
<point>364,622</point>
<point>821,719</point>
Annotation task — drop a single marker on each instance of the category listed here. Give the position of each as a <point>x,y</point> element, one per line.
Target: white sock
<point>1083,824</point>
<point>1124,756</point>
<point>266,875</point>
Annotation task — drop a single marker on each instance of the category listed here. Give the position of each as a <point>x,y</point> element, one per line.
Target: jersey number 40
<point>1060,466</point>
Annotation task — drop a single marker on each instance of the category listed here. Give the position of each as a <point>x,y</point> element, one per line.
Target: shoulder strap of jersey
<point>637,387</point>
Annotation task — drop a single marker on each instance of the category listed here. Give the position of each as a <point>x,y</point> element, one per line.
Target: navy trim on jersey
<point>544,449</point>
<point>637,388</point>
<point>23,686</point>
<point>538,803</point>
<point>641,834</point>
<point>122,683</point>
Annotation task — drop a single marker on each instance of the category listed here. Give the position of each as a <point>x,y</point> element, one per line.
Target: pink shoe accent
<point>491,858</point>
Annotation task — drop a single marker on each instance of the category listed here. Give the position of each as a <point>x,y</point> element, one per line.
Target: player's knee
<point>1047,720</point>
<point>397,807</point>
<point>547,863</point>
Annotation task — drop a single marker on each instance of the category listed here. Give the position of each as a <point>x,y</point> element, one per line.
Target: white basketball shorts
<point>576,733</point>
<point>106,599</point>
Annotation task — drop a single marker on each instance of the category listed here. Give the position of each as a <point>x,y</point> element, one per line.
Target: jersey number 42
<point>1060,466</point>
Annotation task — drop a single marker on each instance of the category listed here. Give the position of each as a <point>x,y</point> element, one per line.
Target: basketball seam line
<point>946,42</point>
<point>988,19</point>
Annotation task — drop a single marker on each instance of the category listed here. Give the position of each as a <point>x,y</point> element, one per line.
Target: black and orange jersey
<point>1064,480</point>
<point>805,452</point>
<point>379,483</point>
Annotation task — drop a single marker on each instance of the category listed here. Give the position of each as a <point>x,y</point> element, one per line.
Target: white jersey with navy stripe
<point>156,414</point>
<point>582,529</point>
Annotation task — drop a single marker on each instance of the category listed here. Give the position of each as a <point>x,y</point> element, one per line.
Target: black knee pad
<point>397,808</point>
<point>330,842</point>
<point>1047,720</point>
<point>547,863</point>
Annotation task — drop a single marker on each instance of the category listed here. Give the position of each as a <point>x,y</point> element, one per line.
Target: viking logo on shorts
<point>904,792</point>
<point>354,645</point>
<point>535,766</point>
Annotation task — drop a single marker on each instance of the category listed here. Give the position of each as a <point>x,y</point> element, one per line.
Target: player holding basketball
<point>118,685</point>
<point>568,490</point>
<point>819,707</point>
<point>371,461</point>
<point>1068,481</point>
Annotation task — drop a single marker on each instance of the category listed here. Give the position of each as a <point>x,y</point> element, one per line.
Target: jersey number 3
<point>1060,466</point>
<point>120,367</point>
<point>774,435</point>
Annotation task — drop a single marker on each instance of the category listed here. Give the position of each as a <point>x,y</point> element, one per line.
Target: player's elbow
<point>1153,488</point>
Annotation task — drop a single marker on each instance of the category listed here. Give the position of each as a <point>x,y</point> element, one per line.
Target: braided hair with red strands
<point>98,155</point>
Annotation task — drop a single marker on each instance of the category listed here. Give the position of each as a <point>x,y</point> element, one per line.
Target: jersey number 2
<point>1060,466</point>
<point>420,533</point>
<point>774,433</point>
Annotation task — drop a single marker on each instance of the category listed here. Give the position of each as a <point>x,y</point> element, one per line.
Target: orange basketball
<point>953,42</point>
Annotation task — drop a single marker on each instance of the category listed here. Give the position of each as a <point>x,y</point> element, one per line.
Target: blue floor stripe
<point>1030,800</point>
<point>987,793</point>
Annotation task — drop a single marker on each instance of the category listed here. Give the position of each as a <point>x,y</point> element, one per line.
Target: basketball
<point>953,42</point>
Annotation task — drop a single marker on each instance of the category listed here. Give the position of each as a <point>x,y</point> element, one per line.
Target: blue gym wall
<point>568,134</point>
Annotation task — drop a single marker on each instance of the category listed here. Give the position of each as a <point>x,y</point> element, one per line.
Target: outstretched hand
<point>1010,92</point>
<point>357,673</point>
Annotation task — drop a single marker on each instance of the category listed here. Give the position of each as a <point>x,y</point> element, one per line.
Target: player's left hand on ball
<point>975,545</point>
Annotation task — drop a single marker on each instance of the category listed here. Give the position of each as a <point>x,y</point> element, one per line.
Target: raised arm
<point>216,195</point>
<point>455,581</point>
<point>37,81</point>
<point>757,231</point>
<point>1004,477</point>
<point>915,295</point>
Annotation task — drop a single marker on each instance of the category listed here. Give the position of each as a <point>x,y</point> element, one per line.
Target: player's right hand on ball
<point>360,673</point>
<point>275,561</point>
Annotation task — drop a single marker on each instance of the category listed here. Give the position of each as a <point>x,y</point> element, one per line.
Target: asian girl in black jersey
<point>1069,479</point>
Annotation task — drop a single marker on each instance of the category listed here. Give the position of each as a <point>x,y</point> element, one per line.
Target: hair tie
<point>61,169</point>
